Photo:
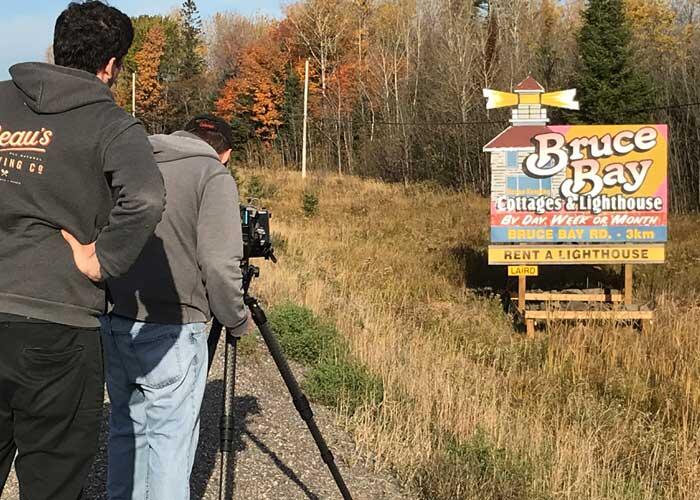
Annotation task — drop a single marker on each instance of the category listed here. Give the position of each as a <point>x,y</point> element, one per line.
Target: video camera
<point>257,240</point>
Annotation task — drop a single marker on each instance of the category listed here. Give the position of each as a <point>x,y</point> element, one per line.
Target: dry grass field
<point>471,408</point>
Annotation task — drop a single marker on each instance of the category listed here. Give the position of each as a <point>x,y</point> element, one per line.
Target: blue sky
<point>27,25</point>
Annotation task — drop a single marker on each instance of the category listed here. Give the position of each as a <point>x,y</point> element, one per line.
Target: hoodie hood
<point>180,145</point>
<point>50,89</point>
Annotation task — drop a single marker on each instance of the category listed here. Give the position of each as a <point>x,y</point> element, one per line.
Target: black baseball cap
<point>210,123</point>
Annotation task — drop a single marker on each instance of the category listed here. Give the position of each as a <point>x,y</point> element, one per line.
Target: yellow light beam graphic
<point>562,99</point>
<point>498,99</point>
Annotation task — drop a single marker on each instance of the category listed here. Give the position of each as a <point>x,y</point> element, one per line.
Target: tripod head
<point>250,272</point>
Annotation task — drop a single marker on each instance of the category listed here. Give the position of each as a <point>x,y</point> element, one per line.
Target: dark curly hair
<point>89,34</point>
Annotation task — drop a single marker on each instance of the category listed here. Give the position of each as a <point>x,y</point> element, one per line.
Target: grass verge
<point>334,378</point>
<point>470,408</point>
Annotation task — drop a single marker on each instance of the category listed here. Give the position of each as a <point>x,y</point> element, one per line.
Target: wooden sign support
<point>601,305</point>
<point>522,291</point>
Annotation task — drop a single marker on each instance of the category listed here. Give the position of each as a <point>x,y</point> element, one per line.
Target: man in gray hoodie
<point>70,159</point>
<point>156,336</point>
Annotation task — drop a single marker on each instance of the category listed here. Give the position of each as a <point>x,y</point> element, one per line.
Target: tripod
<point>300,401</point>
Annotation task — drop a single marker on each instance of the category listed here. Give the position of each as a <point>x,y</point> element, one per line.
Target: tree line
<point>395,85</point>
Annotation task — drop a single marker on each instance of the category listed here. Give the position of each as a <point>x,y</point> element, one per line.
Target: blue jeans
<point>156,375</point>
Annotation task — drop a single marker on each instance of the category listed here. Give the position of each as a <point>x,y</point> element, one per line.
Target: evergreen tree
<point>292,108</point>
<point>610,88</point>
<point>546,57</point>
<point>191,92</point>
<point>192,61</point>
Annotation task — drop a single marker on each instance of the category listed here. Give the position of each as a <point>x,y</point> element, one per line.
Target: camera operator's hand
<point>243,329</point>
<point>85,257</point>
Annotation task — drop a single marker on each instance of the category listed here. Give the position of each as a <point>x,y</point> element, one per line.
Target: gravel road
<point>276,457</point>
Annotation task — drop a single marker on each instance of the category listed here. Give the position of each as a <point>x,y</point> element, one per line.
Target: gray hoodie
<point>70,159</point>
<point>190,268</point>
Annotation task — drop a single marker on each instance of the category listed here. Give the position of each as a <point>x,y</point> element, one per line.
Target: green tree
<point>611,88</point>
<point>192,61</point>
<point>191,92</point>
<point>292,108</point>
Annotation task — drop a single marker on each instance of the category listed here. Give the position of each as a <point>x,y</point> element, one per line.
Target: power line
<point>475,122</point>
<point>441,124</point>
<point>424,123</point>
<point>384,122</point>
<point>671,106</point>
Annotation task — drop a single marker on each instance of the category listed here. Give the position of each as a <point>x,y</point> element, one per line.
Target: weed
<point>478,468</point>
<point>280,242</point>
<point>248,345</point>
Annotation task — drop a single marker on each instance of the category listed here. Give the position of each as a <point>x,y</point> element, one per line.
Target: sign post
<point>572,195</point>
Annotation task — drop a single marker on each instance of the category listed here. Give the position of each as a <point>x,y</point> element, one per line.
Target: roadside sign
<point>523,271</point>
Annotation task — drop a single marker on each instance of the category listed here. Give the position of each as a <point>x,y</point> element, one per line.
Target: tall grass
<point>471,408</point>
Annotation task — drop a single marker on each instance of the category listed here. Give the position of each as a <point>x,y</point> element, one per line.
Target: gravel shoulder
<point>276,457</point>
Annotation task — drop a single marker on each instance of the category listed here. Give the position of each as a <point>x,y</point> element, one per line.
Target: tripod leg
<point>226,426</point>
<point>301,403</point>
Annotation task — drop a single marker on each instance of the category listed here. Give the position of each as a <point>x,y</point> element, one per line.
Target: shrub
<point>478,468</point>
<point>309,203</point>
<point>334,379</point>
<point>302,336</point>
<point>258,189</point>
<point>337,382</point>
<point>236,177</point>
<point>248,345</point>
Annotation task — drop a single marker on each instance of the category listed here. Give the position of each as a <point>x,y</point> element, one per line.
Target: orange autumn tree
<point>343,86</point>
<point>257,91</point>
<point>149,103</point>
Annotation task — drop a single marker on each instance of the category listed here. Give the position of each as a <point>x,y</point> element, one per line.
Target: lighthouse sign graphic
<point>600,188</point>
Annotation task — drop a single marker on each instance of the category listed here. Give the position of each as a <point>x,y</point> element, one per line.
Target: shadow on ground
<point>478,275</point>
<point>208,449</point>
<point>205,466</point>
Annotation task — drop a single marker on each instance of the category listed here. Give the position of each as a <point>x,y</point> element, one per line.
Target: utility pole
<point>306,116</point>
<point>133,94</point>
